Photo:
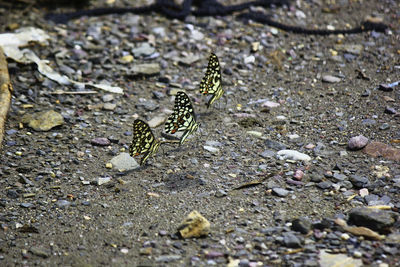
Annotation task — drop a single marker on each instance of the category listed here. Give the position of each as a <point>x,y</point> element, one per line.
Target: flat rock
<point>187,60</point>
<point>375,219</point>
<point>274,145</point>
<point>44,120</point>
<point>393,238</point>
<point>146,69</point>
<point>376,149</point>
<point>331,260</point>
<point>157,121</point>
<point>355,49</point>
<point>124,162</point>
<point>168,258</point>
<point>211,149</point>
<point>280,191</point>
<point>103,180</point>
<point>145,49</point>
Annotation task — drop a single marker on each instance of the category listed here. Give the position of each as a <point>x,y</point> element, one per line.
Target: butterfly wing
<point>183,115</point>
<point>211,82</point>
<point>143,138</point>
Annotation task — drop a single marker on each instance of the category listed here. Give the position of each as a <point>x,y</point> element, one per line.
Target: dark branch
<point>213,8</point>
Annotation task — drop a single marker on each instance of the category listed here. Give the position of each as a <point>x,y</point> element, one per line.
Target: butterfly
<point>211,82</point>
<point>182,118</point>
<point>143,141</point>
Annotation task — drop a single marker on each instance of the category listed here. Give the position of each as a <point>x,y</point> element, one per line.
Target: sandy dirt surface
<point>54,212</point>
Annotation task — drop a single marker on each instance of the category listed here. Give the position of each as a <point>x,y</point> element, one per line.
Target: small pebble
<point>280,192</point>
<point>211,149</point>
<point>330,79</point>
<point>293,154</point>
<point>100,141</point>
<point>357,142</point>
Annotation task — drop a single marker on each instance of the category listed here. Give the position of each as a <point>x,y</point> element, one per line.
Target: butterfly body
<point>143,142</point>
<point>183,117</point>
<point>211,82</point>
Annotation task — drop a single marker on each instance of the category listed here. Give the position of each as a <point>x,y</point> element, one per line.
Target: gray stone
<point>357,142</point>
<point>375,219</point>
<point>302,225</point>
<point>325,184</point>
<point>103,180</point>
<point>359,181</point>
<point>272,184</point>
<point>368,122</point>
<point>339,177</point>
<point>291,241</point>
<point>168,258</point>
<point>146,69</point>
<point>384,126</point>
<point>274,145</point>
<point>12,193</point>
<point>107,97</point>
<point>267,154</point>
<point>393,239</point>
<point>124,162</point>
<point>370,198</point>
<point>100,141</point>
<point>62,203</point>
<point>280,191</point>
<point>390,110</point>
<point>26,205</point>
<point>39,252</point>
<point>145,49</point>
<point>221,193</point>
<point>316,178</point>
<point>148,105</point>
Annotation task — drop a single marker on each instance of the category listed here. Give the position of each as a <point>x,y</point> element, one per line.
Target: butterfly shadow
<point>181,181</point>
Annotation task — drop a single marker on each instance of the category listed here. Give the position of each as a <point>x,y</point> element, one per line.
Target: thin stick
<point>61,92</point>
<point>5,93</point>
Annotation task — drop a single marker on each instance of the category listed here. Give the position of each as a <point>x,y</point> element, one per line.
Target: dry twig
<point>5,93</point>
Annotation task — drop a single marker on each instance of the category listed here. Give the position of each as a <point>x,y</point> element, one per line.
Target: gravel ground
<point>62,204</point>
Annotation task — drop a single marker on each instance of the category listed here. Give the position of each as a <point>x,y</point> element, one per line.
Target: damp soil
<point>114,223</point>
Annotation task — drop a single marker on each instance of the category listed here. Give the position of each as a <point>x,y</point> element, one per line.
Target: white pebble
<point>249,59</point>
<point>280,118</point>
<point>211,149</point>
<point>345,236</point>
<point>293,136</point>
<point>270,104</point>
<point>254,133</point>
<point>363,192</point>
<point>293,154</point>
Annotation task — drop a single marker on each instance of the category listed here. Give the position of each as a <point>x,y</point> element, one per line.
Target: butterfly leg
<point>145,157</point>
<point>184,136</point>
